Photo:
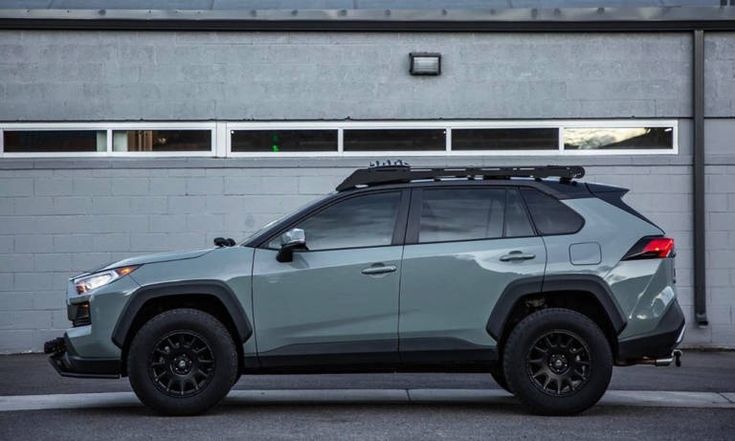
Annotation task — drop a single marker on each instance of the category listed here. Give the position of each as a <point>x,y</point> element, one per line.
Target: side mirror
<point>291,240</point>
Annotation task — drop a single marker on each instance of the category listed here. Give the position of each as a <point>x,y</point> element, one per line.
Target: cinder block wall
<point>59,221</point>
<point>62,216</point>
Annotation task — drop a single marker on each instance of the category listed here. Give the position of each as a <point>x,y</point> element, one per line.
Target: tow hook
<point>54,346</point>
<point>677,357</point>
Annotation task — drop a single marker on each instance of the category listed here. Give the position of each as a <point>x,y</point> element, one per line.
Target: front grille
<point>79,314</point>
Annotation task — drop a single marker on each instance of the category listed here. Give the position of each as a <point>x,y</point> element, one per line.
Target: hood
<point>153,258</point>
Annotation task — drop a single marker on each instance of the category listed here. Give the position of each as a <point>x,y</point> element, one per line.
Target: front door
<point>463,248</point>
<point>337,301</point>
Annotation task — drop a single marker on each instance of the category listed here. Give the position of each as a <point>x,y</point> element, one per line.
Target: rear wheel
<point>557,362</point>
<point>182,362</point>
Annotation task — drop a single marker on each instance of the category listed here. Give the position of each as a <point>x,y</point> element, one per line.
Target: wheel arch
<point>587,294</point>
<point>211,296</point>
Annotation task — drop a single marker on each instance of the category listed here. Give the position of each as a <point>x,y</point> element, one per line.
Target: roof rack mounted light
<point>402,174</point>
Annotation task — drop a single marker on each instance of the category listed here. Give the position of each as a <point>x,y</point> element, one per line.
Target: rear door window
<point>461,214</point>
<point>517,223</point>
<point>549,215</point>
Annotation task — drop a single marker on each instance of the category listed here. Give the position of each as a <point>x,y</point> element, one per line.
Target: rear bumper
<point>657,344</point>
<point>68,364</point>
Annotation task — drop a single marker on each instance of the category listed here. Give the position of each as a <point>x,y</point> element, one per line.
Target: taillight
<point>651,248</point>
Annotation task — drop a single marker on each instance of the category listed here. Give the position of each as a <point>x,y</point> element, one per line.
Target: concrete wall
<point>201,75</point>
<point>62,216</point>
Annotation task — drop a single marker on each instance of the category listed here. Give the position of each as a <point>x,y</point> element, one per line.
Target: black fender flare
<point>587,283</point>
<point>214,288</point>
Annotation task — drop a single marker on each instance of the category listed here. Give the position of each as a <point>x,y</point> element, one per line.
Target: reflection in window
<point>394,140</point>
<point>162,140</point>
<point>362,221</point>
<point>505,139</point>
<point>284,140</point>
<point>517,223</point>
<point>550,215</point>
<point>461,214</point>
<point>615,138</point>
<point>47,141</point>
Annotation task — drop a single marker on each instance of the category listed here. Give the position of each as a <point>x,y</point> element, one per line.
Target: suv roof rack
<point>402,173</point>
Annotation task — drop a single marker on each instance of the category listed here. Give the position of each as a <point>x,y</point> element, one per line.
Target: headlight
<point>93,281</point>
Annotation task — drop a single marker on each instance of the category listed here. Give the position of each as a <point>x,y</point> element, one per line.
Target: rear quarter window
<point>549,215</point>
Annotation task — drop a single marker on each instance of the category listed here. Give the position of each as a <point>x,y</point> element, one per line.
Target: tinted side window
<point>517,223</point>
<point>461,214</point>
<point>362,221</point>
<point>549,215</point>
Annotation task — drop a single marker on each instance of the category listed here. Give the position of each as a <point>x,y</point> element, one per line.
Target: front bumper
<point>68,364</point>
<point>657,344</point>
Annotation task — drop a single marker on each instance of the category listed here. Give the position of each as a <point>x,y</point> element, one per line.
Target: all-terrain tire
<point>535,351</point>
<point>182,346</point>
<point>499,376</point>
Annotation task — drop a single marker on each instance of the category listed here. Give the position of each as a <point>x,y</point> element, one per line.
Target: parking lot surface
<point>696,401</point>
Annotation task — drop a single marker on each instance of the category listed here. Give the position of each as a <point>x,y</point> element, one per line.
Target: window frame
<point>233,127</point>
<point>221,144</point>
<point>622,124</point>
<point>109,128</point>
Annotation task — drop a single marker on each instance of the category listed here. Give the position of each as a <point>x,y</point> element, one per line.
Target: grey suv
<point>526,273</point>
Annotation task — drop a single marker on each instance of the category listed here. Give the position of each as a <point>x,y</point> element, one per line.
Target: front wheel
<point>557,362</point>
<point>182,362</point>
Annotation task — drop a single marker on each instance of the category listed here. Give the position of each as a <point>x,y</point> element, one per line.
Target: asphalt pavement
<point>31,374</point>
<point>696,401</point>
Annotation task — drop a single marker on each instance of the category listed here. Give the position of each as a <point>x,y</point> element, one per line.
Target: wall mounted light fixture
<point>425,63</point>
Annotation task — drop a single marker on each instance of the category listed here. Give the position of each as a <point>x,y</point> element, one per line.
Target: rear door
<point>464,246</point>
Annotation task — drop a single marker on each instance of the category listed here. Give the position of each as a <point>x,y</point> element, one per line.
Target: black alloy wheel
<point>181,364</point>
<point>559,363</point>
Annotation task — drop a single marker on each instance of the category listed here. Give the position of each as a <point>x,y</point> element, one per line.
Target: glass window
<point>461,214</point>
<point>394,140</point>
<point>361,221</point>
<point>505,139</point>
<point>162,140</point>
<point>516,218</point>
<point>614,138</point>
<point>549,215</point>
<point>284,140</point>
<point>47,141</point>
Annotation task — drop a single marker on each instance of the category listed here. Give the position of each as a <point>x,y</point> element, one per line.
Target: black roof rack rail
<point>402,173</point>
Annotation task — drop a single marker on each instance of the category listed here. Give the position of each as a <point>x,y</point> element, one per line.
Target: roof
<point>369,15</point>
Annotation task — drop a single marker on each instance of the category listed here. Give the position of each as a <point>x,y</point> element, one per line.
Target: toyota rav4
<point>526,273</point>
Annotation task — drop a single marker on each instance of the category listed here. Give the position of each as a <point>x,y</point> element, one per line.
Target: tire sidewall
<point>533,327</point>
<point>223,351</point>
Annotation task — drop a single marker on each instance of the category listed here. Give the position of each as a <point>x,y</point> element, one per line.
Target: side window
<point>549,215</point>
<point>461,214</point>
<point>361,221</point>
<point>517,223</point>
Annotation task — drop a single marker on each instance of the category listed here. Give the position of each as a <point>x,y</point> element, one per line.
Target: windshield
<point>282,217</point>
